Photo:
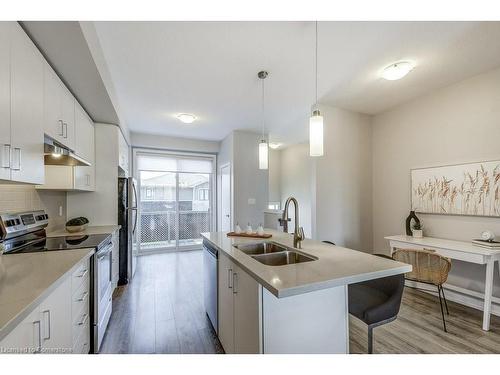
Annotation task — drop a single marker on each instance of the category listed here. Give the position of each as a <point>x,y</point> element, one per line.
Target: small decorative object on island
<point>249,229</point>
<point>77,224</point>
<point>417,231</point>
<point>260,230</point>
<point>408,222</point>
<point>237,230</point>
<point>463,189</point>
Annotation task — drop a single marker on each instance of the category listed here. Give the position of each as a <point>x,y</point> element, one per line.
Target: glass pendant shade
<point>316,134</point>
<point>263,155</point>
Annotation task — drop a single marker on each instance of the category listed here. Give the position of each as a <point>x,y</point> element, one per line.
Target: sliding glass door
<point>175,200</point>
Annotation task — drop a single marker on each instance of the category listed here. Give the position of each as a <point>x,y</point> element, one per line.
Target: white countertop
<point>335,265</point>
<point>431,242</point>
<point>26,279</point>
<point>98,229</point>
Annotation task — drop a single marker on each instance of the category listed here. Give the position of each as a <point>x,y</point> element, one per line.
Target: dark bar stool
<point>376,302</point>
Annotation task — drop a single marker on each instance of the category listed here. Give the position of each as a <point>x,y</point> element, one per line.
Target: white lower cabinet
<point>53,326</point>
<point>239,308</point>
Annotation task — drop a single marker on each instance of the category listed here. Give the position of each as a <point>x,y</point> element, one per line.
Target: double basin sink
<point>274,254</point>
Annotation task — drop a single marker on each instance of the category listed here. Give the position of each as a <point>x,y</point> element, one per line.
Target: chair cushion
<point>364,299</point>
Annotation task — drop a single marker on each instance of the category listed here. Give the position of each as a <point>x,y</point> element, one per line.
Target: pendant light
<point>316,120</point>
<point>263,146</point>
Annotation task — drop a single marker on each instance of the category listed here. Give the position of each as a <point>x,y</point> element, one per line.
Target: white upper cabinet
<point>26,78</point>
<point>5,100</point>
<point>84,177</point>
<point>59,109</point>
<point>123,155</point>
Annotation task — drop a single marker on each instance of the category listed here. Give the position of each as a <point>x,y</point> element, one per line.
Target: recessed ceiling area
<point>209,69</point>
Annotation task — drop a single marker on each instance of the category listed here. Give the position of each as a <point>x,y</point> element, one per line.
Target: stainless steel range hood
<point>57,154</point>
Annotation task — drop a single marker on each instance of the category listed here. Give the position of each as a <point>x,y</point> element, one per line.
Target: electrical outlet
<point>60,210</point>
<point>251,201</point>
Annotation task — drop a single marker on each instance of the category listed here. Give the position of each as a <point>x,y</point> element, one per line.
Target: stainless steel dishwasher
<point>210,266</point>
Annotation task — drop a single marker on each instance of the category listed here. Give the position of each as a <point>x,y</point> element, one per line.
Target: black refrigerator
<point>127,218</point>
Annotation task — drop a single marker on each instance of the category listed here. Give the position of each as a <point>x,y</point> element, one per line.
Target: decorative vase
<point>417,233</point>
<point>408,222</point>
<point>76,228</point>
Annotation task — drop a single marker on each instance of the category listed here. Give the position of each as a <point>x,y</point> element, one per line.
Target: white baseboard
<point>460,295</point>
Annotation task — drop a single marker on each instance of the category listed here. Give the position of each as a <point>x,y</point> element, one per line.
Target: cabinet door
<point>55,315</point>
<point>25,337</point>
<point>225,304</point>
<point>5,100</point>
<point>85,148</point>
<point>247,316</point>
<point>27,163</point>
<point>68,117</point>
<point>53,124</point>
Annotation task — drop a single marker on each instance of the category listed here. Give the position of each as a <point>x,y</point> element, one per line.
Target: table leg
<point>488,289</point>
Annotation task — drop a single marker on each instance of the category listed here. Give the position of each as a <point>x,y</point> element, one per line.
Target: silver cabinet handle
<point>88,179</point>
<point>83,297</point>
<point>83,273</point>
<point>235,283</point>
<point>65,130</point>
<point>39,331</point>
<point>84,320</point>
<point>17,159</point>
<point>229,278</point>
<point>61,133</point>
<point>6,156</point>
<point>46,315</point>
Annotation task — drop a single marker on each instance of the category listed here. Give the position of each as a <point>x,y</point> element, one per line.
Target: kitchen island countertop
<point>335,265</point>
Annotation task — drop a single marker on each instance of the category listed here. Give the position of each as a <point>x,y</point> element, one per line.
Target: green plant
<point>417,226</point>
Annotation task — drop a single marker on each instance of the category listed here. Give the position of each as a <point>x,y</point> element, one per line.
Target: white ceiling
<point>210,69</point>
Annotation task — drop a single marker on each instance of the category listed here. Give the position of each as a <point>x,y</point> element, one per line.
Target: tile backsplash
<point>18,198</point>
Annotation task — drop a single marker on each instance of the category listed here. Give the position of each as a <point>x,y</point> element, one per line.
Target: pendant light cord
<point>263,111</point>
<point>316,64</point>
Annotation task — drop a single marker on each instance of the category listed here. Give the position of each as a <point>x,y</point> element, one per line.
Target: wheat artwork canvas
<point>465,189</point>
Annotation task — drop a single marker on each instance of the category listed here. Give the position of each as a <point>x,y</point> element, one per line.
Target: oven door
<point>102,293</point>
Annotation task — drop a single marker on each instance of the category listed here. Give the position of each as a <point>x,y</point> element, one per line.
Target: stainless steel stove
<point>25,233</point>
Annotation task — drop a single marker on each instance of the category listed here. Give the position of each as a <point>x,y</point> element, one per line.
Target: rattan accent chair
<point>429,268</point>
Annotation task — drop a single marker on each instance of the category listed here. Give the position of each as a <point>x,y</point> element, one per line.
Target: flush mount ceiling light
<point>263,147</point>
<point>397,70</point>
<point>316,120</point>
<point>274,145</point>
<point>186,118</point>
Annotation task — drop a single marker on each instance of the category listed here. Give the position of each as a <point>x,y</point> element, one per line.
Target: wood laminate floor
<point>162,311</point>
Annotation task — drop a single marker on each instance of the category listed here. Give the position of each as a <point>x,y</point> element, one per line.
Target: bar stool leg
<point>370,339</point>
<point>445,303</point>
<point>441,305</point>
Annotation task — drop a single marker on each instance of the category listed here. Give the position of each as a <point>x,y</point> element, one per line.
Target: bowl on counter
<point>76,228</point>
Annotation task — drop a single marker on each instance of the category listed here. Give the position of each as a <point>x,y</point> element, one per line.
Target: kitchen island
<point>292,308</point>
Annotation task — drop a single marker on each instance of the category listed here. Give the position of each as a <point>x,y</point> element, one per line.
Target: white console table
<point>464,251</point>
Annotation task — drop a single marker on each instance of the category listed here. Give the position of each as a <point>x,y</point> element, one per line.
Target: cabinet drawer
<point>81,320</point>
<point>82,344</point>
<point>80,275</point>
<point>80,297</point>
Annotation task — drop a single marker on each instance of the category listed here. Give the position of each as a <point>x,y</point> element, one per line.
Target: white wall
<point>224,157</point>
<point>173,143</point>
<point>274,175</point>
<point>460,123</point>
<point>343,210</point>
<point>100,206</point>
<point>334,191</point>
<point>297,176</point>
<point>249,182</point>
